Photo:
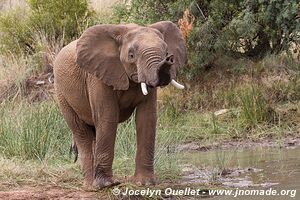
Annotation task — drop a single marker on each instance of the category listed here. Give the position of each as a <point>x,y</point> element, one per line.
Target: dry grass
<point>13,69</point>
<point>13,73</point>
<point>103,5</point>
<point>261,97</point>
<point>24,76</point>
<point>15,173</point>
<point>186,23</point>
<point>6,5</point>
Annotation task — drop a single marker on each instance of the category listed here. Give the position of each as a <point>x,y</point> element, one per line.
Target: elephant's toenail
<point>107,183</point>
<point>148,183</point>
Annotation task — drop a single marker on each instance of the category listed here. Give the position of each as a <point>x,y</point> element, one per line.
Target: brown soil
<point>56,192</point>
<point>288,142</point>
<point>43,193</point>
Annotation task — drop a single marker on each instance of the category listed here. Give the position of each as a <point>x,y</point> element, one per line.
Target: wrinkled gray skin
<point>97,82</point>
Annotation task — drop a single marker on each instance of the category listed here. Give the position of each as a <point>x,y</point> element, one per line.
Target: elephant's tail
<point>74,150</point>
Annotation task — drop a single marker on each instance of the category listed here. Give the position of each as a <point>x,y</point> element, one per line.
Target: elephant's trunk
<point>163,71</point>
<point>156,70</point>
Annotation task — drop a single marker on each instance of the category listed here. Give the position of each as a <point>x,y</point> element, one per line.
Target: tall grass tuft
<point>39,132</point>
<point>165,157</point>
<point>254,107</point>
<point>33,131</point>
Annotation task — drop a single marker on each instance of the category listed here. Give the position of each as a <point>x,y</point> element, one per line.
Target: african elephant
<point>102,78</point>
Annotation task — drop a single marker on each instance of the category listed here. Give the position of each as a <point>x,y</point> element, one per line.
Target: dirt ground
<point>46,192</point>
<point>39,193</point>
<point>287,142</point>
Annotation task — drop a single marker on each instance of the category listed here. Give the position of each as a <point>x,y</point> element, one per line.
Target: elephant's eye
<point>130,55</point>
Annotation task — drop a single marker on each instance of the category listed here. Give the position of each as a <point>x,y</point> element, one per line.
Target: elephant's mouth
<point>162,76</point>
<point>134,77</point>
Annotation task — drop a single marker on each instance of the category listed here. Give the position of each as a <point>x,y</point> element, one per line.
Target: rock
<point>221,112</point>
<point>291,142</point>
<point>40,82</point>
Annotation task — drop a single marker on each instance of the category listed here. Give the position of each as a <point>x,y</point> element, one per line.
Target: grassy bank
<point>226,99</point>
<point>35,141</point>
<point>260,100</point>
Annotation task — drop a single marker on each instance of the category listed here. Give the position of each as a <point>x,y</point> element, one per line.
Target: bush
<point>22,29</point>
<point>66,18</point>
<point>15,35</point>
<point>238,28</point>
<point>149,11</point>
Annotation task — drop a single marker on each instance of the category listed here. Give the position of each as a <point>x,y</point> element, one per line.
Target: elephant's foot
<point>88,187</point>
<point>100,183</point>
<point>143,180</point>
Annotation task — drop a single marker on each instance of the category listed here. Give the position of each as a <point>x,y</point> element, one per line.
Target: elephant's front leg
<point>105,110</point>
<point>146,118</point>
<point>104,154</point>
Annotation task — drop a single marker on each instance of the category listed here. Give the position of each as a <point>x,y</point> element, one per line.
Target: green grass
<point>16,172</point>
<point>33,131</point>
<point>35,140</point>
<point>165,160</point>
<point>37,134</point>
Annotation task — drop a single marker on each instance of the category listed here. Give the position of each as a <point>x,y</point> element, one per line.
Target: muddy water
<point>259,168</point>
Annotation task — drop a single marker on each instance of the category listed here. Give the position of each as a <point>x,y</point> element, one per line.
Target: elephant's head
<point>147,55</point>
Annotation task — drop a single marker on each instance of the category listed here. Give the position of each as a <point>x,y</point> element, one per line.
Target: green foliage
<point>238,28</point>
<point>51,21</point>
<point>33,131</point>
<point>15,34</point>
<point>131,12</point>
<point>266,26</point>
<point>66,18</point>
<point>125,149</point>
<point>39,132</point>
<point>254,107</point>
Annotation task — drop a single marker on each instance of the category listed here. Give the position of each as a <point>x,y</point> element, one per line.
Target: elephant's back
<point>65,63</point>
<point>70,81</point>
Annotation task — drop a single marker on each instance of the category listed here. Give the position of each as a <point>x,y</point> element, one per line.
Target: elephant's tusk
<point>144,88</point>
<point>177,85</point>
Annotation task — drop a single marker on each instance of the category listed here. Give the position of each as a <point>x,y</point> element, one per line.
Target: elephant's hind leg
<point>84,137</point>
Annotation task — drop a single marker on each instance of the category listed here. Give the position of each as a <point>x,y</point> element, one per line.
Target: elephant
<point>103,77</point>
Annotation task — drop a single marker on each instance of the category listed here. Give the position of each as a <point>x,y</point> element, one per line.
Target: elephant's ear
<point>98,53</point>
<point>176,43</point>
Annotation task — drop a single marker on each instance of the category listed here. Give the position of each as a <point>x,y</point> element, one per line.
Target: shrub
<point>22,29</point>
<point>15,35</point>
<point>66,18</point>
<point>238,28</point>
